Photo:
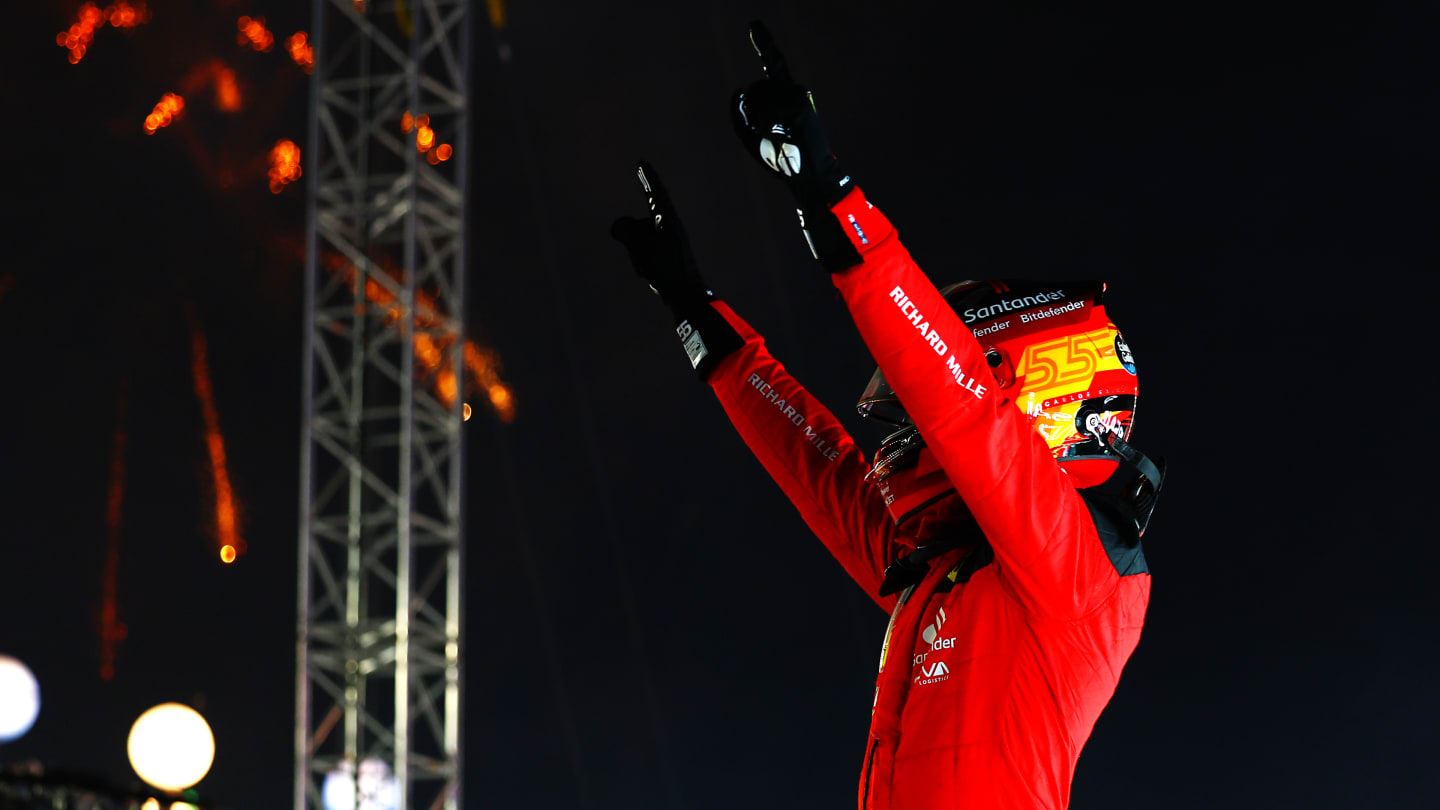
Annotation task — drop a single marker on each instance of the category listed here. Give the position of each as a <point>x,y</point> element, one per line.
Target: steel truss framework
<point>379,639</point>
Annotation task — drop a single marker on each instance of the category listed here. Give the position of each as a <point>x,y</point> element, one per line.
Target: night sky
<point>650,624</point>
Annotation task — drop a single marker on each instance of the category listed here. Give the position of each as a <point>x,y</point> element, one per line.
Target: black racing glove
<point>661,254</point>
<point>776,120</point>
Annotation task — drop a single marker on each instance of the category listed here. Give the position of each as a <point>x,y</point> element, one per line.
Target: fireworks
<point>254,33</point>
<point>431,345</point>
<point>226,517</point>
<point>425,138</point>
<point>284,164</point>
<point>434,336</point>
<point>90,18</point>
<point>299,47</point>
<point>168,109</point>
<point>484,368</point>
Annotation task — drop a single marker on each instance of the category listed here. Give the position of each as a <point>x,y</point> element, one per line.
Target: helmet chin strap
<point>1145,490</point>
<point>948,525</point>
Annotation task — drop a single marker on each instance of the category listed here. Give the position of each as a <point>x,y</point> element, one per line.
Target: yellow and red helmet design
<point>1056,356</point>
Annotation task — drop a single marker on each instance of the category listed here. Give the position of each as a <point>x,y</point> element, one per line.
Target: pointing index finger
<point>770,57</point>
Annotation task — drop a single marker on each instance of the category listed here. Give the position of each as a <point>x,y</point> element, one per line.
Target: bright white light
<point>372,788</point>
<point>376,785</point>
<point>171,746</point>
<point>19,699</point>
<point>337,792</point>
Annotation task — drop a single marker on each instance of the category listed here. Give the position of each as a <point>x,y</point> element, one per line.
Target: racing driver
<point>998,524</point>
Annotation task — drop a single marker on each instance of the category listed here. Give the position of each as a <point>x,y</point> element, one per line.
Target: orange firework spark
<point>430,348</point>
<point>124,15</point>
<point>425,138</point>
<point>299,47</point>
<point>168,109</point>
<point>484,368</point>
<point>90,18</point>
<point>254,33</point>
<point>112,631</point>
<point>284,164</point>
<point>226,520</point>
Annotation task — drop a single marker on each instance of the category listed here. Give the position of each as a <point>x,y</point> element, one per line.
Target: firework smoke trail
<point>226,521</point>
<point>112,632</point>
<point>218,75</point>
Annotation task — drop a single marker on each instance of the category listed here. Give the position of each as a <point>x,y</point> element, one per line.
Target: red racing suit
<point>996,665</point>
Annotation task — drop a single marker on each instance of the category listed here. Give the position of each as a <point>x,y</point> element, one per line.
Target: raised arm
<point>796,439</point>
<point>1040,528</point>
<point>1043,536</point>
<point>808,453</point>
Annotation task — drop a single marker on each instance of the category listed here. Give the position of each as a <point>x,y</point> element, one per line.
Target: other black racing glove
<point>776,120</point>
<point>660,252</point>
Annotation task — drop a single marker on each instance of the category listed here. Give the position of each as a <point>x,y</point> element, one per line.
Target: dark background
<point>650,624</point>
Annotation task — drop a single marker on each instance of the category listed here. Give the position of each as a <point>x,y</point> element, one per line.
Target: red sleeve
<point>1045,541</point>
<point>809,454</point>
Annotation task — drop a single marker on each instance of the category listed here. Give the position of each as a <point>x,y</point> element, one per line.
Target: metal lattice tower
<point>381,521</point>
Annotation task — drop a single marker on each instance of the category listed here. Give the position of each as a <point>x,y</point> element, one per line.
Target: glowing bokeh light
<point>376,786</point>
<point>168,109</point>
<point>89,18</point>
<point>337,792</point>
<point>227,554</point>
<point>372,788</point>
<point>227,89</point>
<point>483,365</point>
<point>171,746</point>
<point>299,47</point>
<point>284,164</point>
<point>19,699</point>
<point>254,33</point>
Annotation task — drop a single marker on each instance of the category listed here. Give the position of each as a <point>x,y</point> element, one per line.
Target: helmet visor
<point>879,402</point>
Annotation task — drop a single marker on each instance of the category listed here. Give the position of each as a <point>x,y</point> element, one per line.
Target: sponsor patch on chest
<point>928,666</point>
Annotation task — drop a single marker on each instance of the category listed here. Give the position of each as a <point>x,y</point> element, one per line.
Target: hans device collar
<point>1136,481</point>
